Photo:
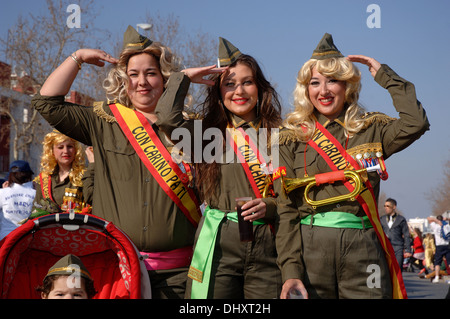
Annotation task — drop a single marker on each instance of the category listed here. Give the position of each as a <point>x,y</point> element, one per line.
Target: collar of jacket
<point>237,122</point>
<point>322,119</point>
<point>394,216</point>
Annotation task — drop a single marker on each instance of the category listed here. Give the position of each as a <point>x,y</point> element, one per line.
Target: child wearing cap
<point>68,278</point>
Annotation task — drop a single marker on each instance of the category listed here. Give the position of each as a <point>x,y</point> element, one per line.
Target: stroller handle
<point>70,219</point>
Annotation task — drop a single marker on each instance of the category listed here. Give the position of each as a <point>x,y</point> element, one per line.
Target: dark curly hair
<point>269,111</point>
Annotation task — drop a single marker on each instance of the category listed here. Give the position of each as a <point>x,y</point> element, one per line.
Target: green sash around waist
<point>337,220</point>
<point>200,269</point>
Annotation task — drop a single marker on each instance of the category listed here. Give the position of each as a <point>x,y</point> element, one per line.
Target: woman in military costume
<point>59,183</point>
<point>136,185</point>
<point>242,101</point>
<point>334,248</point>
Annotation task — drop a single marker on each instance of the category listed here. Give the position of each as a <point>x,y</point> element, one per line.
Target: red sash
<point>46,187</point>
<point>250,158</point>
<point>158,160</point>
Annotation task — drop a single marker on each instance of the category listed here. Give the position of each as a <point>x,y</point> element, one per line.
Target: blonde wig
<point>116,83</point>
<point>301,120</point>
<point>49,163</point>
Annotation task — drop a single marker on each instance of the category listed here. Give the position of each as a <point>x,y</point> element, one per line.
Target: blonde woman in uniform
<point>327,251</point>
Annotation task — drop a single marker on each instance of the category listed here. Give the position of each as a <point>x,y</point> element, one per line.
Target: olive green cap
<point>228,53</point>
<point>326,49</point>
<point>68,265</point>
<point>133,40</point>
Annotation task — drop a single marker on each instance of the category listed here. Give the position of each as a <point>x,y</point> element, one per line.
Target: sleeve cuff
<point>271,207</point>
<point>385,74</point>
<point>292,271</point>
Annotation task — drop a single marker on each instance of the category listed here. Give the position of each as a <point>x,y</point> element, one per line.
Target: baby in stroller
<point>68,278</point>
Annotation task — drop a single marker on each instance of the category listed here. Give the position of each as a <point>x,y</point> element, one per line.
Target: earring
<point>257,108</point>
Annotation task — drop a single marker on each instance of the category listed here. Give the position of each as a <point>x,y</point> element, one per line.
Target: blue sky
<point>413,39</point>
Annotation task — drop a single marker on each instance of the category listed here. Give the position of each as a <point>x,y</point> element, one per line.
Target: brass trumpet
<point>358,177</point>
<point>268,184</point>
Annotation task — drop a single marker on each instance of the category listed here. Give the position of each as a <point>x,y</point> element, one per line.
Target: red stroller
<point>113,261</point>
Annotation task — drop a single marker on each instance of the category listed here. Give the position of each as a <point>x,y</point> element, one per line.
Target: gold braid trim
<point>376,117</point>
<point>288,136</point>
<point>100,112</point>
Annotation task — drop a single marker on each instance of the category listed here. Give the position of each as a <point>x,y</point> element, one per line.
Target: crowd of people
<point>432,251</point>
<point>178,205</point>
<point>428,253</point>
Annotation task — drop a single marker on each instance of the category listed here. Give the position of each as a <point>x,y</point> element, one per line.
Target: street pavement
<point>422,288</point>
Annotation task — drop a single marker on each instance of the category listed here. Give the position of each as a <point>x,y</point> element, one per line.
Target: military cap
<point>68,265</point>
<point>326,49</point>
<point>228,53</point>
<point>133,40</point>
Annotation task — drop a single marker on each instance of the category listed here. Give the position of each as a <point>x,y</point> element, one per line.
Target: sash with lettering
<point>250,158</point>
<point>336,157</point>
<point>158,160</point>
<point>46,186</point>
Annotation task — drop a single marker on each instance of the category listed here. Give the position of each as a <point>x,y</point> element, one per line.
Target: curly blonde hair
<point>49,163</point>
<point>116,83</point>
<point>301,120</point>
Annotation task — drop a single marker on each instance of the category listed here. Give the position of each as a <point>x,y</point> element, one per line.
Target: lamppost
<point>144,26</point>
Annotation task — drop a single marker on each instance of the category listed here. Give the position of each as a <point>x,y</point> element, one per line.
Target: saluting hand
<point>196,74</point>
<point>373,64</point>
<point>95,56</point>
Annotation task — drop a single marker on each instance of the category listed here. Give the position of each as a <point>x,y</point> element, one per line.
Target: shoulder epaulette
<point>287,136</point>
<point>376,117</point>
<point>101,113</point>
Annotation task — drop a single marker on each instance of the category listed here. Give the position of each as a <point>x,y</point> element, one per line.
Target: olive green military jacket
<point>383,134</point>
<point>125,193</point>
<point>88,183</point>
<point>57,188</point>
<point>233,180</point>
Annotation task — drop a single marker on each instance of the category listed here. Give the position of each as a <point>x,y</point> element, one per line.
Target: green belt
<point>200,269</point>
<point>337,220</point>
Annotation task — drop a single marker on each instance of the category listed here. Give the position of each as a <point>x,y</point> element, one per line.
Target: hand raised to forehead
<point>95,56</point>
<point>373,64</point>
<point>197,74</point>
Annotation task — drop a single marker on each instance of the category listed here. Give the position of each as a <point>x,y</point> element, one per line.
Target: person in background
<point>418,256</point>
<point>59,185</point>
<point>327,133</point>
<point>430,250</point>
<point>16,200</point>
<point>396,229</point>
<point>440,229</point>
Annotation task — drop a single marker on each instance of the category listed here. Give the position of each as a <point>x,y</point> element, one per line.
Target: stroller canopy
<point>113,261</point>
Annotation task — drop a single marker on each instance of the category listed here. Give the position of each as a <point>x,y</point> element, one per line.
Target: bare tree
<point>34,47</point>
<point>440,195</point>
<point>195,48</point>
<point>38,43</point>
